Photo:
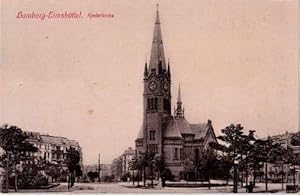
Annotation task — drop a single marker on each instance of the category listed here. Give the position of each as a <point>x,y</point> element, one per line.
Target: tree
<point>245,147</point>
<point>72,161</point>
<point>147,160</point>
<point>255,161</point>
<point>292,159</point>
<point>224,167</point>
<point>295,139</point>
<point>136,164</point>
<point>188,167</point>
<point>160,167</point>
<point>232,137</point>
<point>266,152</point>
<point>92,175</point>
<point>282,156</point>
<point>151,162</point>
<point>53,170</point>
<point>31,176</point>
<point>208,163</point>
<point>13,141</point>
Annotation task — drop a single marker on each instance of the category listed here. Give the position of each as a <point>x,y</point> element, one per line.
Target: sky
<point>236,62</point>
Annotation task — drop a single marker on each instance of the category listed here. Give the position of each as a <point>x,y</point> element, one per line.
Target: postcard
<point>149,96</point>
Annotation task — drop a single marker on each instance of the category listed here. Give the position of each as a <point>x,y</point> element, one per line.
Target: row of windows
<point>152,104</point>
<point>152,149</point>
<point>42,146</point>
<point>178,154</point>
<point>50,147</point>
<point>152,135</point>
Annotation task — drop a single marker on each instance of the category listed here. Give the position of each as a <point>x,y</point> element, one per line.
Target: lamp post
<point>159,166</point>
<point>99,169</point>
<point>293,169</point>
<point>294,176</point>
<point>235,182</point>
<point>244,160</point>
<point>151,169</point>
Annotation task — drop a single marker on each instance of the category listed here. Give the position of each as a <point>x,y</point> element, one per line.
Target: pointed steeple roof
<point>179,94</point>
<point>146,69</point>
<point>157,51</point>
<point>179,112</point>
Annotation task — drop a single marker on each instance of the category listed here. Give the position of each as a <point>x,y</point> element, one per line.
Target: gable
<point>200,130</point>
<point>210,137</point>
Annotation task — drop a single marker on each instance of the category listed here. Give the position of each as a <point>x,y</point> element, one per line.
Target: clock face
<point>152,86</point>
<point>166,87</point>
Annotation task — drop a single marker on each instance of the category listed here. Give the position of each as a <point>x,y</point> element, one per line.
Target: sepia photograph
<point>139,96</point>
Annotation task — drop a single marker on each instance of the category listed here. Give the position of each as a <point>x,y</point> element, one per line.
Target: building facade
<point>116,168</point>
<point>169,136</point>
<point>105,172</point>
<point>52,149</point>
<point>120,165</point>
<point>277,172</point>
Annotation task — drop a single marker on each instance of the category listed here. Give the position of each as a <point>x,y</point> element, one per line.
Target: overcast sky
<point>82,79</point>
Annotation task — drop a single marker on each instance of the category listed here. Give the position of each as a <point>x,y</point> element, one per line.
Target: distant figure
<point>250,187</point>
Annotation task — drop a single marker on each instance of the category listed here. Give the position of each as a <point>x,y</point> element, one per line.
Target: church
<point>169,136</point>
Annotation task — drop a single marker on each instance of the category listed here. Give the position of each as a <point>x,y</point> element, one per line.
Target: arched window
<point>181,154</point>
<point>152,135</point>
<point>152,103</point>
<point>176,154</point>
<point>155,103</point>
<point>166,105</point>
<point>148,103</point>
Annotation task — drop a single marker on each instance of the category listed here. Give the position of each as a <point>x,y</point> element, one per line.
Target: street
<point>129,188</point>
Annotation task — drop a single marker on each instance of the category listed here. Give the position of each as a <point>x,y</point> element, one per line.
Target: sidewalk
<point>58,188</point>
<point>141,184</point>
<point>259,188</point>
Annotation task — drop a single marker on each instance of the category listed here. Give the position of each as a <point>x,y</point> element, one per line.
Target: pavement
<point>129,188</point>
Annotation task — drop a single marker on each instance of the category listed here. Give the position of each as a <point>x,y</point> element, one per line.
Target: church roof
<point>200,130</point>
<point>157,50</point>
<point>177,126</point>
<point>172,129</point>
<point>49,139</point>
<point>183,125</point>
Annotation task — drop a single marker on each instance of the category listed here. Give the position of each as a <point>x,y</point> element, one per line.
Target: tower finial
<point>179,111</point>
<point>157,15</point>
<point>179,94</point>
<point>169,71</point>
<point>146,68</point>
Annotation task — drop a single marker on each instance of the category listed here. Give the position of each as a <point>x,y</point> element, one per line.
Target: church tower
<point>157,93</point>
<point>172,138</point>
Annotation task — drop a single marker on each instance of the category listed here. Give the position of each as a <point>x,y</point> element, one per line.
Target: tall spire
<point>146,69</point>
<point>169,71</point>
<point>157,57</point>
<point>179,95</point>
<point>179,112</point>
